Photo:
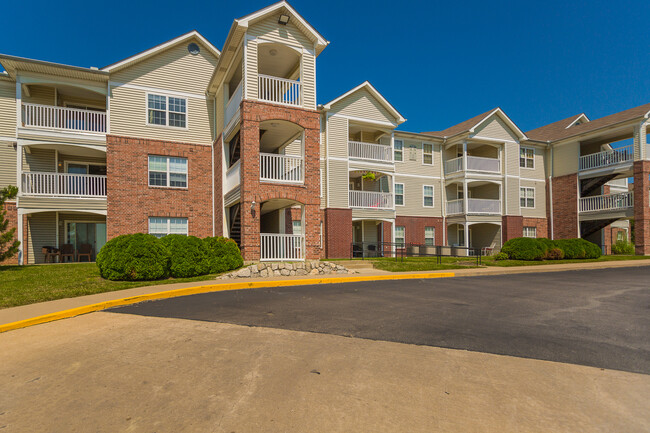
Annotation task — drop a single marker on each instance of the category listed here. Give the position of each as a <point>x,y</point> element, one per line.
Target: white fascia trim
<point>156,90</point>
<point>161,47</point>
<point>418,176</point>
<point>581,116</point>
<point>505,118</point>
<point>361,119</point>
<point>244,21</point>
<point>375,93</point>
<point>26,211</point>
<point>101,137</point>
<point>495,140</point>
<point>528,179</point>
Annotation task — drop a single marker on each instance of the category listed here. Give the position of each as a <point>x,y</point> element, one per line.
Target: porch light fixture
<point>284,19</point>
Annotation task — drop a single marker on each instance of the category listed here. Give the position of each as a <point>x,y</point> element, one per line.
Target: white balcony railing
<point>483,206</point>
<point>233,177</point>
<point>281,168</point>
<point>617,201</point>
<point>282,247</point>
<point>455,207</point>
<point>63,184</point>
<point>69,119</point>
<point>371,200</point>
<point>607,158</point>
<point>233,104</point>
<point>280,90</point>
<point>370,151</point>
<point>474,163</point>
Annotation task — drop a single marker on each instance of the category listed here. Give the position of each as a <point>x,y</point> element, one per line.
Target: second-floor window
<point>399,150</point>
<point>427,153</point>
<point>429,236</point>
<point>166,111</point>
<point>161,226</point>
<point>167,171</point>
<point>527,197</point>
<point>427,192</point>
<point>527,157</point>
<point>399,194</point>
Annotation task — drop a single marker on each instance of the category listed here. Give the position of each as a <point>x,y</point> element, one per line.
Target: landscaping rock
<point>265,269</point>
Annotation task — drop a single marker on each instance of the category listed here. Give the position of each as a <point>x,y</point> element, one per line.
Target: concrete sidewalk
<point>15,314</point>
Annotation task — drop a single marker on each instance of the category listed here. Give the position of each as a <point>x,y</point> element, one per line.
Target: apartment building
<point>186,138</point>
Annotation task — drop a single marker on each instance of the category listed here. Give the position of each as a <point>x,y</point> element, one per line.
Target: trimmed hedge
<point>189,256</point>
<point>134,257</point>
<point>623,247</point>
<point>546,249</point>
<point>224,254</point>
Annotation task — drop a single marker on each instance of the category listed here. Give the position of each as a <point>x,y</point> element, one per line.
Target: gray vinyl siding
<point>7,164</point>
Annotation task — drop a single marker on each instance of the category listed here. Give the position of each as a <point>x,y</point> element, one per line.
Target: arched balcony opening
<point>282,152</point>
<point>279,74</point>
<point>282,230</point>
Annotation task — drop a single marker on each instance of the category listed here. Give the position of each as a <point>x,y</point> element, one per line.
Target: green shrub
<point>134,257</point>
<point>554,254</point>
<point>224,254</point>
<point>579,249</point>
<point>623,247</point>
<point>523,249</point>
<point>501,256</point>
<point>592,251</point>
<point>189,256</point>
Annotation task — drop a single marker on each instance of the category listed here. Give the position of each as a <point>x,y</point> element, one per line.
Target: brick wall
<point>414,228</point>
<point>337,234</point>
<point>565,206</point>
<point>512,226</point>
<point>12,217</point>
<point>131,201</point>
<point>252,190</point>
<point>218,186</point>
<point>641,207</point>
<point>540,223</point>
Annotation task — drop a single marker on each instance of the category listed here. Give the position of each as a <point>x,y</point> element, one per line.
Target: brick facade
<point>642,207</point>
<point>565,206</point>
<point>131,201</point>
<point>541,224</point>
<point>337,234</point>
<point>218,186</point>
<point>414,228</point>
<point>12,217</point>
<point>253,190</point>
<point>512,226</point>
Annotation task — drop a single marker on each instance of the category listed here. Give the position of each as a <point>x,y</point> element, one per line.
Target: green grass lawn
<point>429,263</point>
<point>21,285</point>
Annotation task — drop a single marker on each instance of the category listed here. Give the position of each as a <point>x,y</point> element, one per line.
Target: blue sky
<point>438,63</point>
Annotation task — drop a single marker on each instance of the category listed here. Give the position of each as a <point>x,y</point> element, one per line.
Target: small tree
<point>8,246</point>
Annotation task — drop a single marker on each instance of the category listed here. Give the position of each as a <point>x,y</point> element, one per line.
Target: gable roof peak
<point>374,92</point>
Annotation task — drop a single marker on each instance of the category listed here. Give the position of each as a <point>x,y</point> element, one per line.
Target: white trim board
<point>157,90</point>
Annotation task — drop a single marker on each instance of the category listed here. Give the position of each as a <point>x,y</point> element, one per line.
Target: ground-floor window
<point>400,236</point>
<point>161,226</point>
<point>530,232</point>
<point>429,236</point>
<point>621,235</point>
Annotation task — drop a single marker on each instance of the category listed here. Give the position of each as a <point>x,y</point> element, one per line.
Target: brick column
<point>565,206</point>
<point>338,233</point>
<point>642,207</point>
<point>512,226</point>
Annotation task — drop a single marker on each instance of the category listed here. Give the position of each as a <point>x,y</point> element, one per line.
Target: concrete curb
<point>205,289</point>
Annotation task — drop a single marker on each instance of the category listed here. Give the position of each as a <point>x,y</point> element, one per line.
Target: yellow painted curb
<point>205,289</point>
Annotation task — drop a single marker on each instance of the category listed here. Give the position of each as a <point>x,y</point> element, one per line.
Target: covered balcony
<point>595,156</point>
<point>607,202</point>
<point>370,190</point>
<point>282,152</point>
<point>279,68</point>
<point>473,157</point>
<point>474,198</point>
<point>367,143</point>
<point>282,236</point>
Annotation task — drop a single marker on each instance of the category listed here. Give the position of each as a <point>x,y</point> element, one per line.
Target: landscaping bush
<point>189,256</point>
<point>623,247</point>
<point>592,251</point>
<point>523,249</point>
<point>224,254</point>
<point>554,254</point>
<point>501,256</point>
<point>571,248</point>
<point>134,257</point>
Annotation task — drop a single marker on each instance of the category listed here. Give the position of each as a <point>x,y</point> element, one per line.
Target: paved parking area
<point>598,318</point>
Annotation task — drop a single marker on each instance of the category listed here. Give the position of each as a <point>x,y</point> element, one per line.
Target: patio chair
<point>85,250</point>
<point>67,250</point>
<point>49,253</point>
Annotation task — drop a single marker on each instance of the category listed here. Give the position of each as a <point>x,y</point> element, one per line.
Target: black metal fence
<point>398,250</point>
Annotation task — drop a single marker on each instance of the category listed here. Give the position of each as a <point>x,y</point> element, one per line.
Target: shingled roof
<point>461,127</point>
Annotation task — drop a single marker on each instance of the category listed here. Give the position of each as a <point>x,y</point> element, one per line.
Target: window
<point>530,232</point>
<point>429,236</point>
<point>166,111</point>
<point>427,153</point>
<point>400,235</point>
<point>527,157</point>
<point>427,192</point>
<point>621,236</point>
<point>399,150</point>
<point>160,227</point>
<point>296,227</point>
<point>399,194</point>
<point>167,171</point>
<point>527,197</point>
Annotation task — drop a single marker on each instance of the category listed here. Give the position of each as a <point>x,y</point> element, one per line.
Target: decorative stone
<point>301,272</point>
<point>314,271</point>
<point>284,272</point>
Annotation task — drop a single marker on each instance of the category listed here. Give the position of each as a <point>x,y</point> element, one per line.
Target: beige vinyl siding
<point>294,148</point>
<point>414,194</point>
<point>486,235</point>
<point>43,95</point>
<point>363,105</point>
<point>540,199</point>
<point>370,231</point>
<point>373,214</point>
<point>221,107</point>
<point>512,196</point>
<point>71,204</point>
<point>42,160</point>
<point>173,69</point>
<point>250,69</point>
<point>41,231</point>
<point>539,171</point>
<point>7,164</point>
<point>565,159</point>
<point>412,159</point>
<point>68,139</point>
<point>338,184</point>
<point>511,152</point>
<point>289,34</point>
<point>308,80</point>
<point>129,118</point>
<point>496,128</point>
<point>7,109</point>
<point>65,158</point>
<point>337,136</point>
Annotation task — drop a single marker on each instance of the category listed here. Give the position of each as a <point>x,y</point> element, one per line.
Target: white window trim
<point>434,235</point>
<point>87,164</point>
<point>526,158</point>
<point>169,225</point>
<point>403,243</point>
<point>433,196</point>
<point>400,150</point>
<point>426,163</point>
<point>526,197</point>
<point>187,174</point>
<point>403,194</point>
<point>534,229</point>
<point>167,96</point>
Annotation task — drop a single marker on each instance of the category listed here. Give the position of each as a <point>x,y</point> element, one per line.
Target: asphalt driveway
<point>598,318</point>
